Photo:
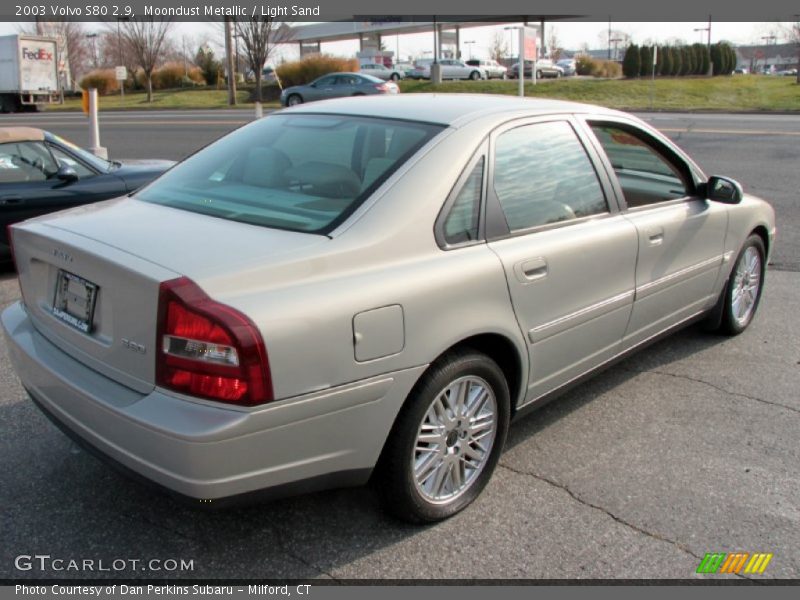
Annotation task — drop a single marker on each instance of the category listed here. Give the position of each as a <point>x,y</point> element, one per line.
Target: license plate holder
<point>74,300</point>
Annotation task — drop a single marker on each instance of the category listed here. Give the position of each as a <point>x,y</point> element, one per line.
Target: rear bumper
<point>205,451</point>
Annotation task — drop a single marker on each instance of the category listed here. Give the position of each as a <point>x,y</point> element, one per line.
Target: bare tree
<point>552,43</point>
<point>498,49</point>
<point>145,39</point>
<point>73,46</point>
<point>260,37</point>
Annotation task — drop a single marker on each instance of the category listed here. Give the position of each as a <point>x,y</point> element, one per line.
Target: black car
<point>42,173</point>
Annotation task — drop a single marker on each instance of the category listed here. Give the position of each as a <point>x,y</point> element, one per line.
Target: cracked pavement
<point>685,448</point>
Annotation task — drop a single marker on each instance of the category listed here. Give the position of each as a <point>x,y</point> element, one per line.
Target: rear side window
<point>543,175</point>
<point>461,224</point>
<point>296,172</point>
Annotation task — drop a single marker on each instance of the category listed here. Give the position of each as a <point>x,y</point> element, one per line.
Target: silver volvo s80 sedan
<point>372,287</point>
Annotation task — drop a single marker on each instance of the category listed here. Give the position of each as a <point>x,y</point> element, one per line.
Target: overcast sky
<point>570,35</point>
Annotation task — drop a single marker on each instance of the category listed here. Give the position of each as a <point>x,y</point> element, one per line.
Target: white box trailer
<point>28,72</point>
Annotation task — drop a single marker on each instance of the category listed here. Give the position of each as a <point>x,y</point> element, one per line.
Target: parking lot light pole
<point>521,63</point>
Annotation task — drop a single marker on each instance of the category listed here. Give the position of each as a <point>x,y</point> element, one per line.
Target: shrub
<point>607,68</point>
<point>632,61</point>
<point>304,71</point>
<point>584,65</point>
<point>168,76</point>
<point>105,80</point>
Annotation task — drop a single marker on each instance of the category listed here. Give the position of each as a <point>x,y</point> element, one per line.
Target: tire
<point>422,481</point>
<point>474,76</point>
<point>558,74</point>
<point>294,100</point>
<point>538,75</point>
<point>743,289</point>
<point>395,77</point>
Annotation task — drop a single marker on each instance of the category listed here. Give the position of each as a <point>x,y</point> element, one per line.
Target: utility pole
<point>229,63</point>
<point>609,38</point>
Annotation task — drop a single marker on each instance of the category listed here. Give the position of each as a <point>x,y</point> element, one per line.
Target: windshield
<point>297,172</point>
<point>95,161</point>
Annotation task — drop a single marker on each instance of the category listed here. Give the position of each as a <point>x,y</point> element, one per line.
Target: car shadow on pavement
<point>673,348</point>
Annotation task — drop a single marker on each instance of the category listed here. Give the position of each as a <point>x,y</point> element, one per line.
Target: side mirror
<point>67,174</point>
<point>723,189</point>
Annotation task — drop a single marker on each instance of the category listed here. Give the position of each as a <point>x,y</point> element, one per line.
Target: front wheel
<point>294,100</point>
<point>395,77</point>
<point>538,74</point>
<point>474,76</point>
<point>447,439</point>
<point>743,291</point>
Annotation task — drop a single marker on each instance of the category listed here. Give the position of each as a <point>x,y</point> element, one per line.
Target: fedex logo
<point>37,54</point>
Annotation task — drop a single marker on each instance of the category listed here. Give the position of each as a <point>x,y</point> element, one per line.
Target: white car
<point>494,70</point>
<point>382,72</point>
<point>451,69</point>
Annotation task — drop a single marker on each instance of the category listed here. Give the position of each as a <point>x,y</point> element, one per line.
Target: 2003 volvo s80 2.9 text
<point>372,288</point>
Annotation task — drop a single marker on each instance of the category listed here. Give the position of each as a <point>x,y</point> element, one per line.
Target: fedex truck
<point>28,72</point>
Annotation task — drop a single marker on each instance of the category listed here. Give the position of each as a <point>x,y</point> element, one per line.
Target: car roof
<point>445,109</point>
<point>20,134</point>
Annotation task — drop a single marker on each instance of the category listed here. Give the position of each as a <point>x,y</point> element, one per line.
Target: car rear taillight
<point>208,349</point>
<point>382,87</point>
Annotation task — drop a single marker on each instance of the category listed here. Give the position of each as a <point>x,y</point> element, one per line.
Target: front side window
<point>543,175</point>
<point>296,172</point>
<point>25,161</point>
<point>645,174</point>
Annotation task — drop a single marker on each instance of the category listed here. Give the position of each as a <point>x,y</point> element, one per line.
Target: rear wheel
<point>395,77</point>
<point>294,100</point>
<point>743,291</point>
<point>538,74</point>
<point>474,75</point>
<point>447,440</point>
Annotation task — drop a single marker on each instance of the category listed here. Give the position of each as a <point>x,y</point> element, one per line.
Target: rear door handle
<point>531,270</point>
<point>9,200</point>
<point>655,236</point>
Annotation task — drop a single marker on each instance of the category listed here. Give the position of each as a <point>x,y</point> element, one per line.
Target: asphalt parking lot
<point>689,447</point>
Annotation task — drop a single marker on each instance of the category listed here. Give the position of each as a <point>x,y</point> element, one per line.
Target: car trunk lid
<point>90,277</point>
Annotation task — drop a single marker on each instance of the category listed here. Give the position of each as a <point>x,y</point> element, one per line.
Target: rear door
<point>568,255</point>
<point>681,234</point>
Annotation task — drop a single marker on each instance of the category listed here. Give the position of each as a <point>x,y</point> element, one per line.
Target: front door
<point>568,255</point>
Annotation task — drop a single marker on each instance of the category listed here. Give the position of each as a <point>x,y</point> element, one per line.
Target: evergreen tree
<point>632,61</point>
<point>677,61</point>
<point>665,58</point>
<point>645,61</point>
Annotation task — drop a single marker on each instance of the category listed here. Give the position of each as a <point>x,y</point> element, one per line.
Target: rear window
<point>297,172</point>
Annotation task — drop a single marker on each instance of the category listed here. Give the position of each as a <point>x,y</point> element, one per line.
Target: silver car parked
<point>383,72</point>
<point>337,85</point>
<point>372,287</point>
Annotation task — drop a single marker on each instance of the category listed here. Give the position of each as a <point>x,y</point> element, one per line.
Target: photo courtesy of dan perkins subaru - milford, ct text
<point>256,10</point>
